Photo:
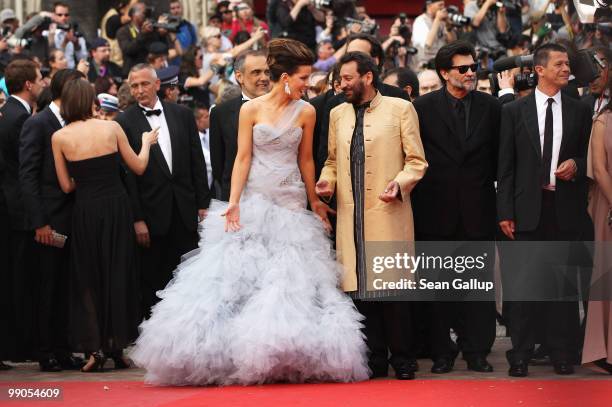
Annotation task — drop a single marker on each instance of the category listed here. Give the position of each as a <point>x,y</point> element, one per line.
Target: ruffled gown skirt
<point>256,306</point>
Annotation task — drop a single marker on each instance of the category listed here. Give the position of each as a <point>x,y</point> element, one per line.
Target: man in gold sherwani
<point>375,158</point>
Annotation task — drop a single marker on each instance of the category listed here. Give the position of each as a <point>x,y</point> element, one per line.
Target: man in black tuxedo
<point>455,200</point>
<point>253,75</point>
<point>368,45</point>
<point>172,196</point>
<point>24,83</point>
<point>49,210</point>
<point>542,196</point>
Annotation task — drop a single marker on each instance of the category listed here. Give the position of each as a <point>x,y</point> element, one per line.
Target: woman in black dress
<point>104,302</point>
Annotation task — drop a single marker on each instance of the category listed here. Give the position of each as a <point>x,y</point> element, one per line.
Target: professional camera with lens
<point>321,3</point>
<point>509,5</point>
<point>456,18</point>
<point>71,26</point>
<point>367,27</point>
<point>172,23</point>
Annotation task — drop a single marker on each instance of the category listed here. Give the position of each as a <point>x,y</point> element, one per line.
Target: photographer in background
<point>244,20</point>
<point>298,19</point>
<point>488,21</point>
<point>67,36</point>
<point>136,37</point>
<point>398,52</point>
<point>186,32</point>
<point>431,31</point>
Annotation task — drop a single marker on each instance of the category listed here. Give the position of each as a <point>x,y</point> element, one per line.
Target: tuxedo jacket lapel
<point>566,112</point>
<point>234,120</point>
<point>455,148</point>
<point>530,118</point>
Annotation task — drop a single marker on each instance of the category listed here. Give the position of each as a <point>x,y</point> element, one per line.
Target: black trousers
<point>25,283</point>
<point>7,342</point>
<point>53,301</point>
<point>388,329</point>
<point>555,323</point>
<point>473,321</point>
<point>161,258</point>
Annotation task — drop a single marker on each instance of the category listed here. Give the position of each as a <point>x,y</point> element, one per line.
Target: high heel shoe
<point>603,364</point>
<point>97,365</point>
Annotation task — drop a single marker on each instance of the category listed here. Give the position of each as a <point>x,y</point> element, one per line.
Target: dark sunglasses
<point>63,15</point>
<point>464,68</point>
<point>226,12</point>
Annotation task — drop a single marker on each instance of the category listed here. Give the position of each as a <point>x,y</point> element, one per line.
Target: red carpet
<point>455,393</point>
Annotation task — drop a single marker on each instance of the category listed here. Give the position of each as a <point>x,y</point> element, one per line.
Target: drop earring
<point>287,89</point>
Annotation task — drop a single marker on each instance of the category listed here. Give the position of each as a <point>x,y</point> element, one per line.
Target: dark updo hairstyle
<point>78,98</point>
<point>286,56</point>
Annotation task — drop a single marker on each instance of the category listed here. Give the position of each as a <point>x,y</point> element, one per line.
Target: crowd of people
<point>484,123</point>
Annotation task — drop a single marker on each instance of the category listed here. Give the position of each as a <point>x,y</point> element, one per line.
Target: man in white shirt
<point>429,31</point>
<point>542,196</point>
<point>74,46</point>
<point>203,122</point>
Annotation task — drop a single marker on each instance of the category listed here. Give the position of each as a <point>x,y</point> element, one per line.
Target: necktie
<point>461,117</point>
<point>548,143</point>
<point>155,112</point>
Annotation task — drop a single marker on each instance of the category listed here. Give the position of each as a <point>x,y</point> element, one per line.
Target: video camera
<point>583,65</point>
<point>23,36</point>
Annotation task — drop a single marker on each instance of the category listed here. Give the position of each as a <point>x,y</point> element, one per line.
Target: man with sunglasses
<point>455,200</point>
<point>73,45</point>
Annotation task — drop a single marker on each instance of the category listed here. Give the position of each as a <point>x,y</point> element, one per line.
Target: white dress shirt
<point>163,138</point>
<point>205,140</point>
<point>55,109</point>
<point>24,103</point>
<point>542,104</point>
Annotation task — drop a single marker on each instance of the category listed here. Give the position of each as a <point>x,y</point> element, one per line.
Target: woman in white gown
<point>258,301</point>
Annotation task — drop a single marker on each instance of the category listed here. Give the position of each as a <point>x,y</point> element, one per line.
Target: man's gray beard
<point>462,85</point>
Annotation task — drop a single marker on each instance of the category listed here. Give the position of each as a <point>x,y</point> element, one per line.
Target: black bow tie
<point>155,112</point>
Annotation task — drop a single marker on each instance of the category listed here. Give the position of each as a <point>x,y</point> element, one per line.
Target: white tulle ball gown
<point>260,305</point>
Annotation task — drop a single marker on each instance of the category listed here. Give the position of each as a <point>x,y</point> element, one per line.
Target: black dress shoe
<point>72,363</point>
<point>4,366</point>
<point>563,368</point>
<point>442,365</point>
<point>50,365</point>
<point>479,364</point>
<point>404,373</point>
<point>378,371</point>
<point>518,369</point>
<point>413,365</point>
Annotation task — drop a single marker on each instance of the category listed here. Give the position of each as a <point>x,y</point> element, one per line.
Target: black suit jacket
<point>322,126</point>
<point>14,114</point>
<point>519,194</point>
<point>153,194</point>
<point>224,144</point>
<point>319,104</point>
<point>44,200</point>
<point>457,191</point>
